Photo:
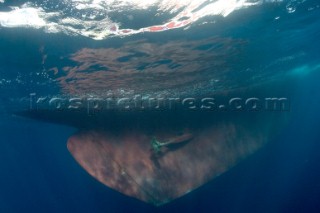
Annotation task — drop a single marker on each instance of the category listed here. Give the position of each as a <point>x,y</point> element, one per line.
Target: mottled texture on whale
<point>123,159</point>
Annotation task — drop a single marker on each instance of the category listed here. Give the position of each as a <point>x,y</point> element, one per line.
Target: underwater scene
<point>159,106</point>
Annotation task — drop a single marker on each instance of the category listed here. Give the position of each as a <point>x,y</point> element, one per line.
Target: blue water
<point>38,174</point>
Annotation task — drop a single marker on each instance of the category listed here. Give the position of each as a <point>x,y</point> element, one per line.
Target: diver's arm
<point>180,139</point>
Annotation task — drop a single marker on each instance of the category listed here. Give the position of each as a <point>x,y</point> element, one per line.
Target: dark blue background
<point>39,175</point>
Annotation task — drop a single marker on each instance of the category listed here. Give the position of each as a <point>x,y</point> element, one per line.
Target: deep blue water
<point>38,174</point>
